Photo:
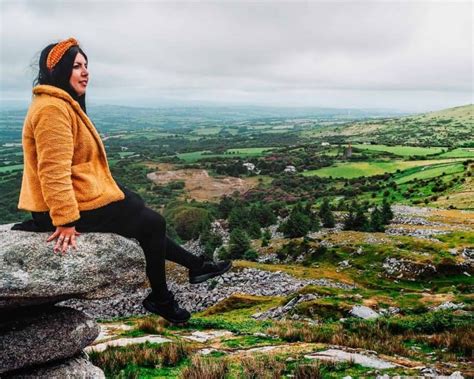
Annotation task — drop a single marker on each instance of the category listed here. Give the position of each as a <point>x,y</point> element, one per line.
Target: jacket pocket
<point>85,181</point>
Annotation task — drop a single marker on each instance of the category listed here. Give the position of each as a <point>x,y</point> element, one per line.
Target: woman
<point>68,187</point>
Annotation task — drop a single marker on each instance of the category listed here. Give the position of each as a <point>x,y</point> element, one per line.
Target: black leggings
<point>158,247</point>
<point>132,219</point>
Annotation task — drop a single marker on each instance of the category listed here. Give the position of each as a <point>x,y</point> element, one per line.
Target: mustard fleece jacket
<point>65,165</point>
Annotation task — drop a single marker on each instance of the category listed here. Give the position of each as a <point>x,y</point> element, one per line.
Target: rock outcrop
<point>39,339</point>
<point>103,265</point>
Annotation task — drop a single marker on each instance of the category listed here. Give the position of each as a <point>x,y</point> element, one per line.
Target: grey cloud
<point>260,51</point>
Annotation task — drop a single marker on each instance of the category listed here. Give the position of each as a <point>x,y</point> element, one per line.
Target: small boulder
<point>43,334</point>
<point>76,367</point>
<point>363,312</point>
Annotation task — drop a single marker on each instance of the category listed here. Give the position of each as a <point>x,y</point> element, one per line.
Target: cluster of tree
<point>250,218</point>
<point>300,222</point>
<point>378,218</point>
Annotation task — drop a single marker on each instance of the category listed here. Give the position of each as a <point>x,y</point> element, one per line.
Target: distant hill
<point>448,127</point>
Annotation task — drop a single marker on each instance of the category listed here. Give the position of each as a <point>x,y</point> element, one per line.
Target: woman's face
<point>80,75</point>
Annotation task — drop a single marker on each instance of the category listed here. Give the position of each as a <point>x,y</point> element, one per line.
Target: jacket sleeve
<point>55,149</point>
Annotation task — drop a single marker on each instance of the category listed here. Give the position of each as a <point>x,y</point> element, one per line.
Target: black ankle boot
<point>168,309</point>
<point>209,269</point>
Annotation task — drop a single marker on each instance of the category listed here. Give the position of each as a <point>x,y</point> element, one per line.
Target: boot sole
<point>204,277</point>
<point>151,308</point>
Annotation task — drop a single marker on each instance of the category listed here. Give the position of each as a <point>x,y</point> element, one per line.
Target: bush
<point>251,255</point>
<point>189,221</point>
<point>239,243</point>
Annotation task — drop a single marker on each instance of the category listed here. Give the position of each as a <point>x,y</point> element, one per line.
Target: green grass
<point>458,153</point>
<point>403,151</point>
<point>125,153</point>
<point>427,172</point>
<point>207,131</point>
<point>350,170</point>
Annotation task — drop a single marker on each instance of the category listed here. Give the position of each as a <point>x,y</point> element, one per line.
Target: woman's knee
<point>152,222</point>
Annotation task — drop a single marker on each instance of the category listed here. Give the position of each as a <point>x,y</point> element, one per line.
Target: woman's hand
<point>66,237</point>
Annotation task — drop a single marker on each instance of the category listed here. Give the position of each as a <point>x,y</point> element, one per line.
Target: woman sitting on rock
<point>68,187</point>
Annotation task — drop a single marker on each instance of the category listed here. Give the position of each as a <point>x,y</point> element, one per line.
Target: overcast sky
<point>402,55</point>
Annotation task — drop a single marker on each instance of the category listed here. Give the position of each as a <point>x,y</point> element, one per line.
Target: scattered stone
<point>403,268</point>
<point>390,311</point>
<point>76,367</point>
<point>419,233</point>
<point>429,371</point>
<point>42,335</point>
<point>449,305</point>
<point>262,349</point>
<point>340,355</point>
<point>205,336</point>
<point>344,264</point>
<point>125,342</point>
<point>364,312</point>
<point>207,351</point>
<point>280,313</point>
<point>107,331</point>
<point>196,297</point>
<point>33,274</point>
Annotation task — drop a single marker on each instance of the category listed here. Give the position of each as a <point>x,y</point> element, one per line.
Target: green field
<point>458,153</point>
<point>427,172</point>
<point>207,131</point>
<point>230,153</point>
<point>404,151</point>
<point>357,169</point>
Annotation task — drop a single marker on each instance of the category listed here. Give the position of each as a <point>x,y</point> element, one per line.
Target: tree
<point>360,220</point>
<point>251,255</point>
<point>356,219</point>
<point>239,243</point>
<point>326,215</point>
<point>298,224</point>
<point>189,222</point>
<point>253,229</point>
<point>210,241</point>
<point>387,214</point>
<point>376,220</point>
<point>239,217</point>
<point>263,214</point>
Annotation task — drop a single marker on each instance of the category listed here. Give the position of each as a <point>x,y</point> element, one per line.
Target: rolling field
<point>427,172</point>
<point>403,151</point>
<point>230,153</point>
<point>458,153</point>
<point>356,169</point>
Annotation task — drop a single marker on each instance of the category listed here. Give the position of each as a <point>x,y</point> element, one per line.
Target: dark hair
<point>61,73</point>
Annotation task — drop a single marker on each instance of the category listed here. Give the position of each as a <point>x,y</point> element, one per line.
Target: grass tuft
<point>205,368</point>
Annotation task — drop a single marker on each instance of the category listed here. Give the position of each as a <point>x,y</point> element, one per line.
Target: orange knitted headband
<point>58,51</point>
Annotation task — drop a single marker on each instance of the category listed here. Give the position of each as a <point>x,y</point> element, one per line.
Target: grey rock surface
<point>43,334</point>
<point>103,265</point>
<point>196,297</point>
<point>364,312</point>
<point>78,367</point>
